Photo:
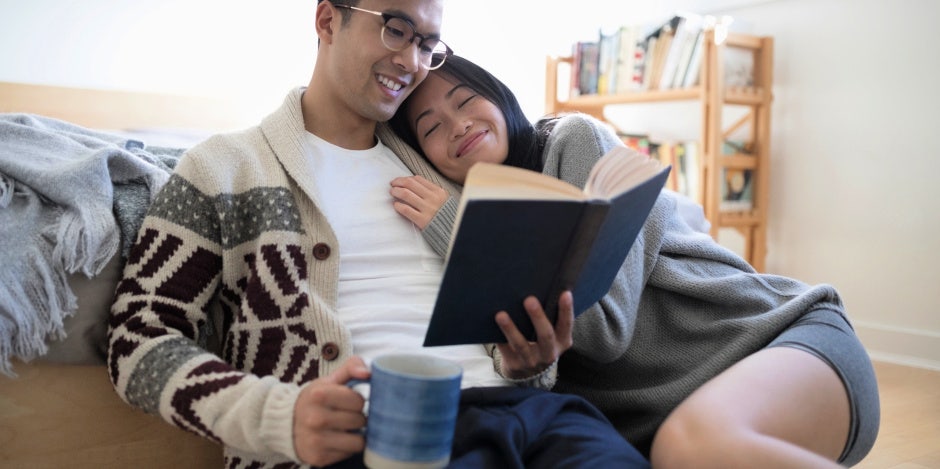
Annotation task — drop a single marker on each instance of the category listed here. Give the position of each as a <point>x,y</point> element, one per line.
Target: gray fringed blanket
<point>67,197</point>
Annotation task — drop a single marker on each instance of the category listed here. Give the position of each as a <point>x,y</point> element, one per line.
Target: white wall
<point>855,198</point>
<point>854,201</point>
<point>249,50</point>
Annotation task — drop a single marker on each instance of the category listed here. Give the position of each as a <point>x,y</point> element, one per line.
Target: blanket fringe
<point>32,310</point>
<point>86,243</point>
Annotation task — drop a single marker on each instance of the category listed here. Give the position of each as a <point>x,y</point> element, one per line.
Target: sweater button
<point>321,251</point>
<point>329,351</point>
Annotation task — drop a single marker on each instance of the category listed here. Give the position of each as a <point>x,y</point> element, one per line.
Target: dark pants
<point>512,427</point>
<point>509,427</point>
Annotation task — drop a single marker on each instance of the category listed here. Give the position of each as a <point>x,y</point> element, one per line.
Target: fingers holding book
<point>523,358</point>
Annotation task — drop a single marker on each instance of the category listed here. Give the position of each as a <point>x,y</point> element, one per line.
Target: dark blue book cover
<point>507,249</point>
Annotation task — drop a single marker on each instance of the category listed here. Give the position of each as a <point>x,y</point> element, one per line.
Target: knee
<point>687,439</point>
<point>672,443</point>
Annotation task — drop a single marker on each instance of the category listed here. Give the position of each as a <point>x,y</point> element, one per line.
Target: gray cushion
<point>86,340</point>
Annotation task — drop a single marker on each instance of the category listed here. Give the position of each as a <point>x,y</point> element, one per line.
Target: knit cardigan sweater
<point>681,310</point>
<point>228,301</point>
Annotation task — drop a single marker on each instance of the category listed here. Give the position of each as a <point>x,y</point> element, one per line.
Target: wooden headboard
<point>108,109</point>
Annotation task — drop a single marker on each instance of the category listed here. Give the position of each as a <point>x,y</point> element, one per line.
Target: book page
<point>494,181</point>
<point>487,181</point>
<point>618,171</point>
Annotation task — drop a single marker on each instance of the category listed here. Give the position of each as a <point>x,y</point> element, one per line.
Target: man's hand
<point>326,415</point>
<point>417,199</point>
<point>523,359</point>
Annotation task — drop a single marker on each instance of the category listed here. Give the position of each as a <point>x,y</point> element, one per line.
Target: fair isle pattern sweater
<point>228,301</point>
<point>681,310</point>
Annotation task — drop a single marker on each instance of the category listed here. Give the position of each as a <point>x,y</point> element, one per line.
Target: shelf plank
<point>743,40</point>
<point>746,96</point>
<point>596,100</point>
<point>739,161</point>
<point>740,218</point>
<point>741,96</point>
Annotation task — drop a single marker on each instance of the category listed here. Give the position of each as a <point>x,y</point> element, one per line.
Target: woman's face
<point>456,127</point>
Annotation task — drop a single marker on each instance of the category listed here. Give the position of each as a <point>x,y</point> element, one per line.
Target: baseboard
<point>900,345</point>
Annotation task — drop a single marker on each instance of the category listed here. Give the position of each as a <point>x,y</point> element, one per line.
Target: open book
<point>521,233</point>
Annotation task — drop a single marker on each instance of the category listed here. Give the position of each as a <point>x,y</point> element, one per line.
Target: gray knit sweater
<point>681,310</point>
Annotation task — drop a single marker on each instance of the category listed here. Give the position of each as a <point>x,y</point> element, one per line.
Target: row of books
<point>640,58</point>
<point>686,176</point>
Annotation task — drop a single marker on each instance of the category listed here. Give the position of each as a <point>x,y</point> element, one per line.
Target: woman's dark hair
<point>525,141</point>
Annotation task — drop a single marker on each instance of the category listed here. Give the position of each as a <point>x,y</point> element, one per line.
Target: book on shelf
<point>587,67</point>
<point>690,29</point>
<point>638,142</point>
<point>664,37</point>
<point>607,56</point>
<point>690,166</point>
<point>520,233</point>
<point>658,56</point>
<point>665,152</point>
<point>737,191</point>
<point>639,62</point>
<point>630,60</point>
<point>682,27</point>
<point>737,147</point>
<point>693,71</point>
<point>685,158</point>
<point>649,60</point>
<point>574,87</point>
<point>679,162</point>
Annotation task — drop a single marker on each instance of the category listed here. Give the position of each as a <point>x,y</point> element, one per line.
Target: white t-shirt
<point>388,275</point>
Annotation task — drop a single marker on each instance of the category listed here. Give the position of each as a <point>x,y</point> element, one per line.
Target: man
<point>277,249</point>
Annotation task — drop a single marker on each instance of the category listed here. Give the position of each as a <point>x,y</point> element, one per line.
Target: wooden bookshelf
<point>713,97</point>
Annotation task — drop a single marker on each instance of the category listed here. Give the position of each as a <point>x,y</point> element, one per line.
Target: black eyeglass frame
<point>386,17</point>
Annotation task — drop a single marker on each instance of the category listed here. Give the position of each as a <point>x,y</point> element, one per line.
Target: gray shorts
<point>829,336</point>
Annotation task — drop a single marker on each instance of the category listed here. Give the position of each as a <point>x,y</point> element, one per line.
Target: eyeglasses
<point>395,37</point>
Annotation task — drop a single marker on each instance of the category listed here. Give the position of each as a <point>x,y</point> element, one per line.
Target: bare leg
<point>780,407</point>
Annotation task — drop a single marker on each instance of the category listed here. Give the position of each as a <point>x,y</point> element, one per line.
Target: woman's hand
<point>417,199</point>
<point>523,359</point>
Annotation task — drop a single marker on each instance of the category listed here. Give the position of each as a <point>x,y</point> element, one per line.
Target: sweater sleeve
<point>438,232</point>
<point>160,328</point>
<point>603,331</point>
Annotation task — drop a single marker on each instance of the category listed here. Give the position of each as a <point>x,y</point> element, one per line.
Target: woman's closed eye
<point>432,129</point>
<point>460,105</point>
<point>464,102</point>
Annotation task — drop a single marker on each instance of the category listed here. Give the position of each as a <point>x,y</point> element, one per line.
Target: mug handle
<point>365,410</point>
<point>355,382</point>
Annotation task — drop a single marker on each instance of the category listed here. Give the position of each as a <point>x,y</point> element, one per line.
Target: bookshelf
<point>713,97</point>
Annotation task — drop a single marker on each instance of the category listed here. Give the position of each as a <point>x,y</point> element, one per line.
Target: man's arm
<point>160,323</point>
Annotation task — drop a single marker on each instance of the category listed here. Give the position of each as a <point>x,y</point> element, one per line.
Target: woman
<point>695,357</point>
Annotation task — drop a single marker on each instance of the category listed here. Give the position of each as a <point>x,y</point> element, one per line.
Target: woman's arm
<point>603,331</point>
<point>429,207</point>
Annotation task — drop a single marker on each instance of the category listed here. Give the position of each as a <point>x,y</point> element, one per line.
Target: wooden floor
<point>910,419</point>
<point>55,416</point>
<point>94,428</point>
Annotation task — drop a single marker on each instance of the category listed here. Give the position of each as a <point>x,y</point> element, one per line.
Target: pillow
<point>86,340</point>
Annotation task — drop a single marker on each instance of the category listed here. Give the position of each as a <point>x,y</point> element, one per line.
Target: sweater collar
<point>284,131</point>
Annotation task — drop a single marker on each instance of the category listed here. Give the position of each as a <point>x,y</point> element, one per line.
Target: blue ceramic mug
<point>412,410</point>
